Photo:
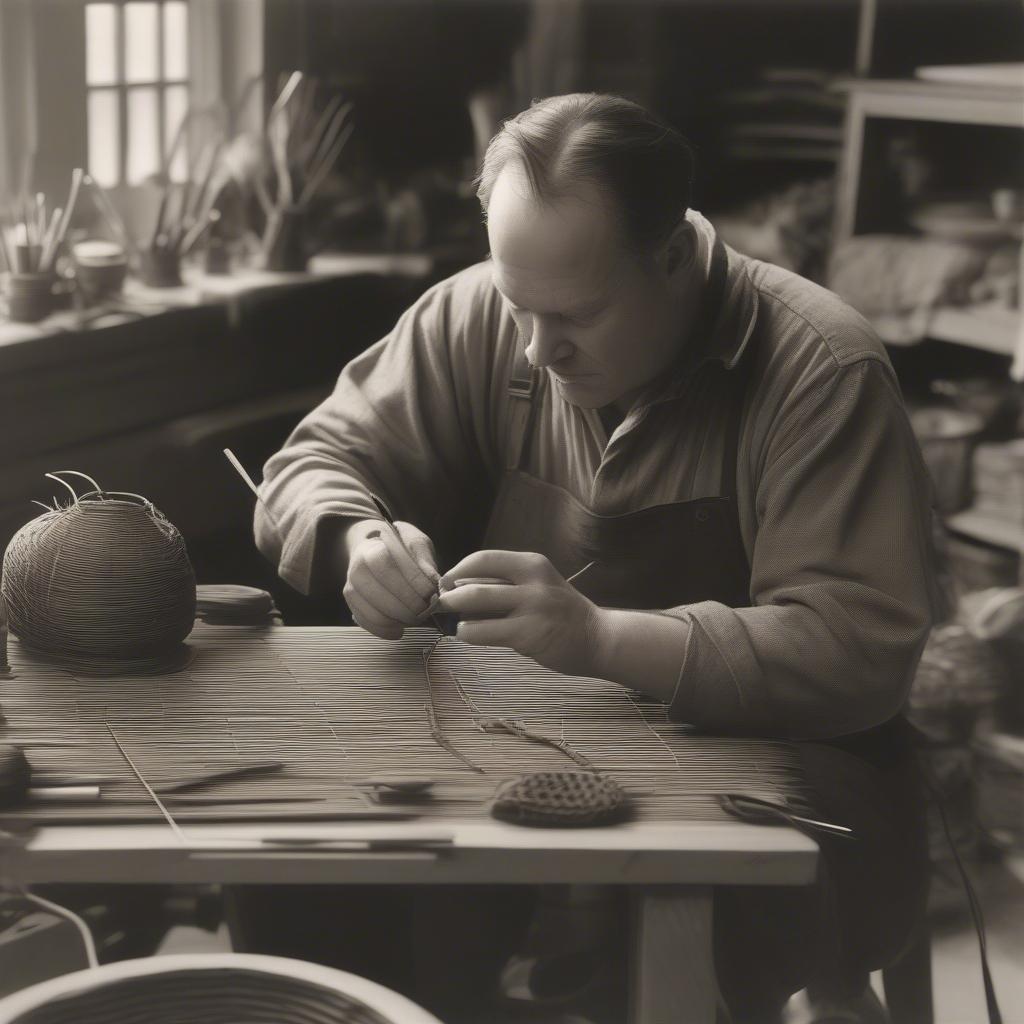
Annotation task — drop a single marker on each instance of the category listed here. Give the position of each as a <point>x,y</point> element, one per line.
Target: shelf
<point>990,327</point>
<point>1005,747</point>
<point>993,328</point>
<point>138,300</point>
<point>951,103</point>
<point>980,526</point>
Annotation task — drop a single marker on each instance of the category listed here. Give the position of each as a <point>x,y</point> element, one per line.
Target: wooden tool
<point>201,778</point>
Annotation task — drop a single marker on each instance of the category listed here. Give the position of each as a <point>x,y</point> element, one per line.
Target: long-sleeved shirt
<point>834,499</point>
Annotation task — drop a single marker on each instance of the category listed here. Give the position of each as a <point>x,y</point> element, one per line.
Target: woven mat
<point>337,705</point>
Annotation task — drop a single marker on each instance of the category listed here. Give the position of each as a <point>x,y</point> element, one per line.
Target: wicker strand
<point>515,727</point>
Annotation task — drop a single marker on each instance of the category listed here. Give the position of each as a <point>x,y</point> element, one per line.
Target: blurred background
<point>207,207</point>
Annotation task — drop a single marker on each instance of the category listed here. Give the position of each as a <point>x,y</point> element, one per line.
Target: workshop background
<point>873,146</point>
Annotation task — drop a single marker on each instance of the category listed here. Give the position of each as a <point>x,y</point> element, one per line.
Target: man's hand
<point>390,584</point>
<point>536,612</point>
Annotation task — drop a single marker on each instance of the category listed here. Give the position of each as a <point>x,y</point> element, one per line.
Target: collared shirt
<point>834,500</point>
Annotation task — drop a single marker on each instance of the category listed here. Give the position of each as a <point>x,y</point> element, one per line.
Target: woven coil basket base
<point>560,799</point>
<point>225,996</point>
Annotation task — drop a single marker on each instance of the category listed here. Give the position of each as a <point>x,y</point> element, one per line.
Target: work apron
<point>871,891</point>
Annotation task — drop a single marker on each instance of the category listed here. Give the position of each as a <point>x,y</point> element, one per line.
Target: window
<point>137,85</point>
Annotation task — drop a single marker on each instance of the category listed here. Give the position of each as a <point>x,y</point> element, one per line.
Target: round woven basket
<point>222,988</point>
<point>108,575</point>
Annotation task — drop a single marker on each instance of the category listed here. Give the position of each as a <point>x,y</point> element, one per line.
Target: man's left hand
<point>530,608</point>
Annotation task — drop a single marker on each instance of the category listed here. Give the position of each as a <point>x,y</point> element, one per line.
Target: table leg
<point>672,969</point>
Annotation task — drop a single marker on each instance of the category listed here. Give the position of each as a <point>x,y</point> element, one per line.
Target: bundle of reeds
<point>303,147</point>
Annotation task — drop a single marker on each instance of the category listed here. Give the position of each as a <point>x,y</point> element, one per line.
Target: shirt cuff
<point>302,562</point>
<point>719,686</point>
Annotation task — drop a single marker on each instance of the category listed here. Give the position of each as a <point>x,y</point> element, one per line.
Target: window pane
<point>104,136</point>
<point>140,42</point>
<point>175,39</point>
<point>100,44</point>
<point>175,105</point>
<point>143,140</point>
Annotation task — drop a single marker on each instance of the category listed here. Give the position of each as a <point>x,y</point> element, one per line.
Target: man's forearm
<point>641,650</point>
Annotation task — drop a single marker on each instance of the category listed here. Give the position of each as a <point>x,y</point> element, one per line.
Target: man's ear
<point>681,249</point>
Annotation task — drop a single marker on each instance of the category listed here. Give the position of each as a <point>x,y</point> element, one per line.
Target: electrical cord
<point>69,915</point>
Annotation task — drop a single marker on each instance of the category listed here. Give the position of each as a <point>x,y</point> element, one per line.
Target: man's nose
<point>547,344</point>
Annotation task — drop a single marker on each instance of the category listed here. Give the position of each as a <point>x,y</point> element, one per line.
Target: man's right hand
<point>389,586</point>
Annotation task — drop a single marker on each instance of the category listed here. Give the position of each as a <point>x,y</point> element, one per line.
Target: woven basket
<point>107,576</point>
<point>225,988</point>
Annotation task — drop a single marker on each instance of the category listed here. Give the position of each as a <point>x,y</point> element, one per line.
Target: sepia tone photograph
<point>511,512</point>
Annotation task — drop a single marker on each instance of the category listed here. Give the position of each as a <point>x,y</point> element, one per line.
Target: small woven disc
<point>561,799</point>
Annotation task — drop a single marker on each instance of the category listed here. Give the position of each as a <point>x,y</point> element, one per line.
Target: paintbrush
<point>4,251</point>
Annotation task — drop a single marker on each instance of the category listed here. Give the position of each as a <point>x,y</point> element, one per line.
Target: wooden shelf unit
<point>981,526</point>
<point>987,327</point>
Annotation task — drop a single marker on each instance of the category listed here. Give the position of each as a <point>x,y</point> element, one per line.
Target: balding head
<point>563,142</point>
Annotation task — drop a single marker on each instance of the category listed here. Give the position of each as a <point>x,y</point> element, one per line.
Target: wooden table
<point>670,870</point>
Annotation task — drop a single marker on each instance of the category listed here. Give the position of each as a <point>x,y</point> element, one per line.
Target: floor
<point>956,970</point>
<point>957,985</point>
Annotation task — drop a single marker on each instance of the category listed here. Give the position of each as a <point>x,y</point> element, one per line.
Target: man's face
<point>603,321</point>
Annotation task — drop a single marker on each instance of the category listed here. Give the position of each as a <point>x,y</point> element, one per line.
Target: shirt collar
<point>727,318</point>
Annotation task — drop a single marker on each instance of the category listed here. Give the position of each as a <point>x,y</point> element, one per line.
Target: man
<point>724,445</point>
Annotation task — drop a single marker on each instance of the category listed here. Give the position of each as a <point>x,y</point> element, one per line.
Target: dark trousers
<point>444,945</point>
<point>868,904</point>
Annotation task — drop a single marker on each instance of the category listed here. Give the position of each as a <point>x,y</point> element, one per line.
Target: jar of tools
<point>30,296</point>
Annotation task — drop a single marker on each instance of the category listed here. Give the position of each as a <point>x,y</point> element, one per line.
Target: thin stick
<point>233,459</point>
<point>252,484</point>
<point>165,171</point>
<point>277,137</point>
<point>310,146</point>
<point>40,215</point>
<point>27,223</point>
<point>285,95</point>
<point>318,177</point>
<point>263,196</point>
<point>576,575</point>
<point>196,232</point>
<point>161,210</point>
<point>49,237</point>
<point>163,810</point>
<point>188,188</point>
<point>331,134</point>
<point>200,205</point>
<point>76,183</point>
<point>63,483</point>
<point>74,472</point>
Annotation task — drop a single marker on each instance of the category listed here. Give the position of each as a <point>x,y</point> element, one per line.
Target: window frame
<point>122,88</point>
<point>43,103</point>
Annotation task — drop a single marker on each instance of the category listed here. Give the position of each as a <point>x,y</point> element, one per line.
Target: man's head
<point>586,199</point>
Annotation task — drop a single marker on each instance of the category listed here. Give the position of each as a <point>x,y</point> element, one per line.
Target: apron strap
<point>523,385</point>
